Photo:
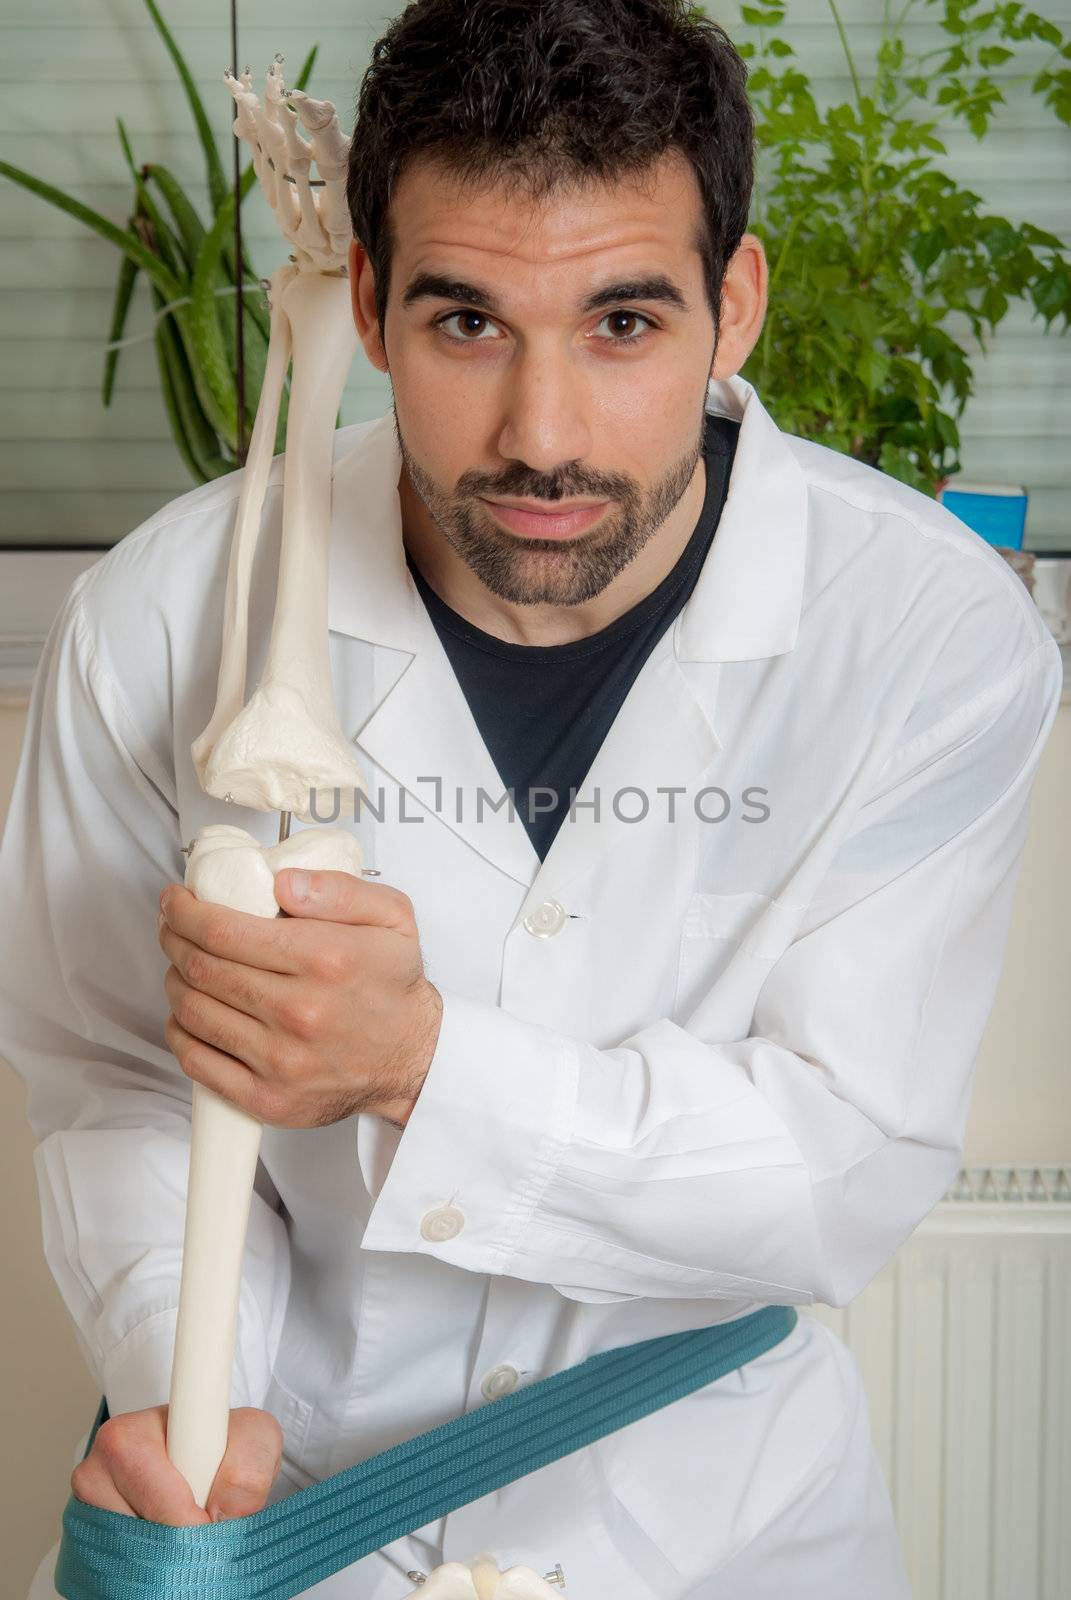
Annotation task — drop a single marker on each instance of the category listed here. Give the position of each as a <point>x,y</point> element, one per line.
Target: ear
<point>743,306</point>
<point>363,302</point>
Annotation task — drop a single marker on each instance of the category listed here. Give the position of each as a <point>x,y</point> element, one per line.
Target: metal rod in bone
<point>272,754</point>
<point>481,1579</point>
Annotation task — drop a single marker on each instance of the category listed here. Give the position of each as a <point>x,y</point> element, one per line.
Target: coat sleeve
<point>92,836</point>
<point>786,1167</point>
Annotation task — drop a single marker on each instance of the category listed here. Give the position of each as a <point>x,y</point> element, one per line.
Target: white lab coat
<point>730,1066</point>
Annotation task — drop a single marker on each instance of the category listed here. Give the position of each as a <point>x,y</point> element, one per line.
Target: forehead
<point>653,218</point>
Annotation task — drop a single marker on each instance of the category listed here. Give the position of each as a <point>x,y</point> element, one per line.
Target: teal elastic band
<point>286,1548</point>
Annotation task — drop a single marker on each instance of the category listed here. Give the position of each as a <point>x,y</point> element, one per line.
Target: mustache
<point>554,487</point>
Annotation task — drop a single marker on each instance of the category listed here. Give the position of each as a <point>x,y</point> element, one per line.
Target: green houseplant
<point>191,267</point>
<point>871,245</point>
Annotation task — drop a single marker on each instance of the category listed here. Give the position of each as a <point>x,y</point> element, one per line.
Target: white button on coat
<point>546,919</point>
<point>745,1085</point>
<point>500,1380</point>
<point>445,1222</point>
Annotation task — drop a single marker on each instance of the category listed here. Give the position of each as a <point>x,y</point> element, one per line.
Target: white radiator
<point>963,1345</point>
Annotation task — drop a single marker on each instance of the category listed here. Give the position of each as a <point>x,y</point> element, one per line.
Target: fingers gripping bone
<point>230,868</point>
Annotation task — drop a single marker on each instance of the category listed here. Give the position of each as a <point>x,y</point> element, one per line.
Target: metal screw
<point>555,1576</point>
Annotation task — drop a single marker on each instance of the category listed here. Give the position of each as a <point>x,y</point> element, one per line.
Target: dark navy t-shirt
<point>544,710</point>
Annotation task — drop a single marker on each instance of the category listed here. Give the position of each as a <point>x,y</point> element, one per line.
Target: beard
<point>560,572</point>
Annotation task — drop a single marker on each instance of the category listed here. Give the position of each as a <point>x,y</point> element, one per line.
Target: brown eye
<point>628,316</point>
<point>468,317</point>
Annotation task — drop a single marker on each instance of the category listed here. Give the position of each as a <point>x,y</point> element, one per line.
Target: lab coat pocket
<point>704,1476</point>
<point>728,943</point>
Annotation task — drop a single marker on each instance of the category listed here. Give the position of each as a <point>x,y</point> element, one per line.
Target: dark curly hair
<point>533,94</point>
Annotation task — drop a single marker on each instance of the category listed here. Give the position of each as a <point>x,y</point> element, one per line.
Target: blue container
<point>996,511</point>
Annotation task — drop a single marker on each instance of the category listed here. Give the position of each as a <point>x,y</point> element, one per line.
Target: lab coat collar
<point>746,604</point>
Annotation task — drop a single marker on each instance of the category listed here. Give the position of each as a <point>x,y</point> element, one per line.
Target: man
<point>687,1031</point>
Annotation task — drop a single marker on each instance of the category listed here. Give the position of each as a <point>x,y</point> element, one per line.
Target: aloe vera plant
<point>187,263</point>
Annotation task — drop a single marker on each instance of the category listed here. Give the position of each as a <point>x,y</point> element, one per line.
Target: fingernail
<point>300,884</point>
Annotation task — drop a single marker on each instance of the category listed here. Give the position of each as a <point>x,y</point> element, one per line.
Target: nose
<point>547,410</point>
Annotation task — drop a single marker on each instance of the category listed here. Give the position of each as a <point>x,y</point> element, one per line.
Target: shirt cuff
<point>487,1134</point>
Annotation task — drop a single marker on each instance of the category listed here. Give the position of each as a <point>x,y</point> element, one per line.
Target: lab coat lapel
<point>422,732</point>
<point>746,603</point>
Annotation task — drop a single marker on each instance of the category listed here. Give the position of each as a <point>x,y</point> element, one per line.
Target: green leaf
<point>211,369</point>
<point>873,367</point>
<point>924,248</point>
<point>194,434</point>
<point>127,242</point>
<point>302,79</point>
<point>1032,235</point>
<point>1051,294</point>
<point>217,183</point>
<point>167,390</point>
<point>946,429</point>
<point>124,291</point>
<point>170,250</point>
<point>998,236</point>
<point>190,227</point>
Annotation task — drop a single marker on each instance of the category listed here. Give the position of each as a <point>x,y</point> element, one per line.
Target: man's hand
<point>305,1019</point>
<point>129,1470</point>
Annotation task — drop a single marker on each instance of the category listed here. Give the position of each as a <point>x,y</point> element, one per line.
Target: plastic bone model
<point>275,752</point>
<point>287,741</point>
<point>482,1580</point>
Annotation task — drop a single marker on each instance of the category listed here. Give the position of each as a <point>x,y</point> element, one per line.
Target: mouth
<point>550,524</point>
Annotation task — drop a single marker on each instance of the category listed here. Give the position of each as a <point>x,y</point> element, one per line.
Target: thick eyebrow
<point>438,286</point>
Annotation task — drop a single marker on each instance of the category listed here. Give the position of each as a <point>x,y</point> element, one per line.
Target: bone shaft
<point>231,685</point>
<point>318,308</point>
<point>223,1158</point>
<point>224,1147</point>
